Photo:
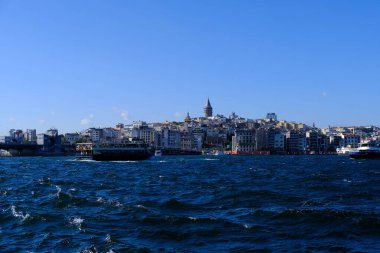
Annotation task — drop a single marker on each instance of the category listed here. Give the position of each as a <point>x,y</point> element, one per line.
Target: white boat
<point>4,153</point>
<point>158,153</point>
<point>218,152</point>
<point>368,150</point>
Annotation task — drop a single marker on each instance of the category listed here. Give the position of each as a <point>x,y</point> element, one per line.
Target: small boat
<point>218,153</point>
<point>158,153</point>
<point>369,150</point>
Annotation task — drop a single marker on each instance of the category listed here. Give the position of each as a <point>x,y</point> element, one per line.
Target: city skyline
<point>73,65</point>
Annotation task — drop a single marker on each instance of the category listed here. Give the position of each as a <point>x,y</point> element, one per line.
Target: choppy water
<point>190,204</point>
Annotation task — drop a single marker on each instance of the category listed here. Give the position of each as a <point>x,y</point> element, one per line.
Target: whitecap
<point>77,221</point>
<point>44,180</point>
<point>90,250</point>
<point>19,214</point>
<point>141,207</point>
<point>101,200</point>
<point>108,238</point>
<point>124,161</point>
<point>58,190</point>
<point>109,202</point>
<point>246,226</point>
<point>86,161</point>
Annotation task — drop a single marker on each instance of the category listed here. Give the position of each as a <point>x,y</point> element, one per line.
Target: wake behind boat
<point>369,150</point>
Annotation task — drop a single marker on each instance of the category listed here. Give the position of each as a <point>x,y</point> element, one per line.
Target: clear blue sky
<point>75,64</point>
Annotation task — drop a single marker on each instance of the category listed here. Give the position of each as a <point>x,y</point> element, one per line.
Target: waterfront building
<point>296,141</point>
<point>51,140</point>
<point>336,141</point>
<point>351,140</point>
<point>110,134</point>
<point>135,133</point>
<point>261,143</point>
<point>5,139</point>
<point>17,136</point>
<point>243,142</point>
<point>170,137</point>
<point>316,141</point>
<point>95,134</point>
<point>31,135</point>
<point>215,136</point>
<point>270,139</point>
<point>197,141</point>
<point>278,140</point>
<point>42,139</point>
<point>186,141</point>
<point>207,109</point>
<point>146,134</point>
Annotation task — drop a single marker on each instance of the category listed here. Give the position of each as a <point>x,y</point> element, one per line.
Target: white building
<point>95,134</point>
<point>351,140</point>
<point>243,141</point>
<point>31,135</point>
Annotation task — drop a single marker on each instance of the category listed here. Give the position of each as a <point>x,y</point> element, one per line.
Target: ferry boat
<point>369,150</point>
<point>114,152</point>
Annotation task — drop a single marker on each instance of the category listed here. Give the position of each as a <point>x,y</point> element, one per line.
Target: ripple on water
<point>179,204</point>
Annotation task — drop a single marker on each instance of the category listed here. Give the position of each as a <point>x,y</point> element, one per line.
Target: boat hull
<point>365,155</point>
<point>120,155</point>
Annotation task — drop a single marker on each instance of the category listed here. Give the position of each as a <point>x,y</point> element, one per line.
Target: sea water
<point>190,204</point>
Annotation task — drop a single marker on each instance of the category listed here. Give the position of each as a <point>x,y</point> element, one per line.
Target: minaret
<point>208,109</point>
<point>188,118</point>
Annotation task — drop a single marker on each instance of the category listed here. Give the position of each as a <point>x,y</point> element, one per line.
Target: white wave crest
<point>58,190</point>
<point>19,214</point>
<point>77,221</point>
<point>108,238</point>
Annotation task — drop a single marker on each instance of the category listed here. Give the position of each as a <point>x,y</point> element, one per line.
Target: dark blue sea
<point>190,204</point>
